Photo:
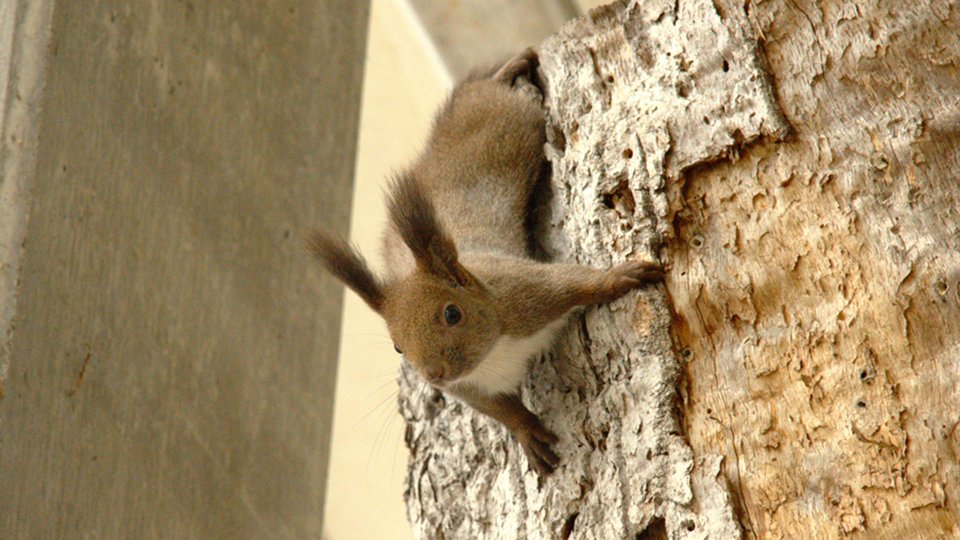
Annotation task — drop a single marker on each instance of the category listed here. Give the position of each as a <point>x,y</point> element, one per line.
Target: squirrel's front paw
<point>628,276</point>
<point>536,441</point>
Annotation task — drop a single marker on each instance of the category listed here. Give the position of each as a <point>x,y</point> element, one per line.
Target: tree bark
<point>813,268</point>
<point>815,281</point>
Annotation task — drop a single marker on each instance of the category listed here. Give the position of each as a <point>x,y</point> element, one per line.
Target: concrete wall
<point>170,369</point>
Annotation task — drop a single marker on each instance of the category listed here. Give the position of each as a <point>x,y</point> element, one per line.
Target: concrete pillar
<point>168,365</point>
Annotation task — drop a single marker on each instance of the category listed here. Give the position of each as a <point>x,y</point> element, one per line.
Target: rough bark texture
<point>635,94</point>
<point>816,281</point>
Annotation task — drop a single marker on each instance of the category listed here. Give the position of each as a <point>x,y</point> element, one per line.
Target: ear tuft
<point>347,265</point>
<point>415,219</point>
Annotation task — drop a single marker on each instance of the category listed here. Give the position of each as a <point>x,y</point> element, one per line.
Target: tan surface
<point>587,5</point>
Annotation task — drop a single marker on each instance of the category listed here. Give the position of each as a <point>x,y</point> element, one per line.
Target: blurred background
<point>172,363</point>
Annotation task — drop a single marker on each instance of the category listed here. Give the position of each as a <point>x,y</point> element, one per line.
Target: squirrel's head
<point>440,316</point>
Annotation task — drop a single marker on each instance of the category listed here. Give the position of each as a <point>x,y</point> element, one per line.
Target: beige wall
<point>404,82</point>
<point>586,5</point>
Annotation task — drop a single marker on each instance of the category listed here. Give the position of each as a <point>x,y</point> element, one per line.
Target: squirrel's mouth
<point>451,376</point>
<point>441,376</point>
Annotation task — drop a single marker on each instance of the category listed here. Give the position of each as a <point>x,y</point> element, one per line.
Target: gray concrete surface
<point>171,364</point>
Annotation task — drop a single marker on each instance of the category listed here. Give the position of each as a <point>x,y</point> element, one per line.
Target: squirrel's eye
<point>452,314</point>
<point>397,349</point>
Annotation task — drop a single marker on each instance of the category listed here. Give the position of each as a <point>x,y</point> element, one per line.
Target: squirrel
<point>465,302</point>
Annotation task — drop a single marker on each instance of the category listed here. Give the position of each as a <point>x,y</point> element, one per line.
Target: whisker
<point>393,394</point>
<point>379,388</point>
<point>381,437</point>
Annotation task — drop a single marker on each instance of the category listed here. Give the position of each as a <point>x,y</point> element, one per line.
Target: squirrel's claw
<point>536,442</point>
<point>628,276</point>
<point>640,271</point>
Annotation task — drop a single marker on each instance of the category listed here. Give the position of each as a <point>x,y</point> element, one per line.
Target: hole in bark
<point>879,161</point>
<point>941,287</point>
<point>649,454</point>
<point>559,139</point>
<point>435,403</point>
<point>569,524</point>
<point>726,65</point>
<point>657,530</point>
<point>621,199</point>
<point>689,525</point>
<point>709,410</point>
<point>686,354</point>
<point>574,132</point>
<point>627,153</point>
<point>862,404</point>
<point>602,441</point>
<point>696,241</point>
<point>610,78</point>
<point>706,120</point>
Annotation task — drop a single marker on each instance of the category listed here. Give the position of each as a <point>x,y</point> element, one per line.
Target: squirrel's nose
<point>434,373</point>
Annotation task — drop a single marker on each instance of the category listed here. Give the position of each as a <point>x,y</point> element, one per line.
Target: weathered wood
<point>816,280</point>
<point>635,94</point>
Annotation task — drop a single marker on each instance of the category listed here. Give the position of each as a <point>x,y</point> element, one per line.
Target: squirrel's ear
<point>347,265</point>
<point>415,219</point>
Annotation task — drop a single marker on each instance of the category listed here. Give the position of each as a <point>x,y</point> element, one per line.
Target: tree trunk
<point>813,282</point>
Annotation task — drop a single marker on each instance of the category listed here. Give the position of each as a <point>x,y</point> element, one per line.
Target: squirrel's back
<point>479,168</point>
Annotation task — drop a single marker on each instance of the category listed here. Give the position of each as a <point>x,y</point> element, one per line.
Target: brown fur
<point>457,237</point>
<point>344,262</point>
<point>415,219</point>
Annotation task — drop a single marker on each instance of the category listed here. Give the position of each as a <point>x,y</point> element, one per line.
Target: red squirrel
<point>464,301</point>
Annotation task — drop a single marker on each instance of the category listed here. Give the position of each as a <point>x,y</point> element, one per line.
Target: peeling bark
<point>814,259</point>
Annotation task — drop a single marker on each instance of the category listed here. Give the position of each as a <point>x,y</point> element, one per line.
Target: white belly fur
<point>502,370</point>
